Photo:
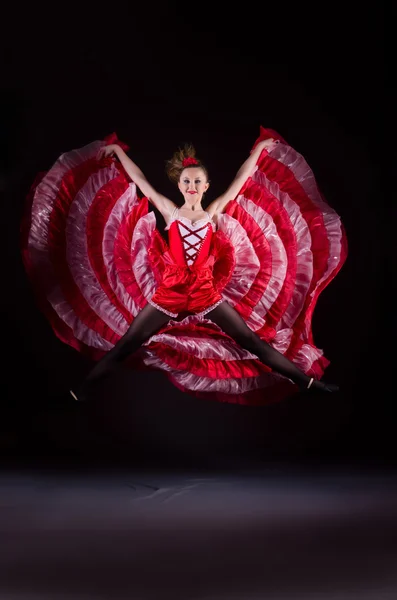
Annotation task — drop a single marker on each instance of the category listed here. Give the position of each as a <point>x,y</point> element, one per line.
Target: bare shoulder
<point>216,208</point>
<point>213,209</point>
<point>165,206</point>
<point>214,216</point>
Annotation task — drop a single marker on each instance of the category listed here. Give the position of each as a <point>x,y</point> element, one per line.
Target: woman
<point>186,280</point>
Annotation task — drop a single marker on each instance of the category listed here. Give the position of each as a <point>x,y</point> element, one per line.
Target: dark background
<point>160,76</point>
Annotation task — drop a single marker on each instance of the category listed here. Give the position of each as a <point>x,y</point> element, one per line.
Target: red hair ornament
<point>187,162</point>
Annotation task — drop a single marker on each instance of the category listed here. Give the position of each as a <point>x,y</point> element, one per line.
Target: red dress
<point>187,284</point>
<point>95,258</point>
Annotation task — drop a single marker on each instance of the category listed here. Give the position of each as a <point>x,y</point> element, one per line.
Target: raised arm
<point>245,171</point>
<point>163,204</point>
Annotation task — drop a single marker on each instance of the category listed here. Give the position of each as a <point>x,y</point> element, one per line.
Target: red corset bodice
<point>189,243</point>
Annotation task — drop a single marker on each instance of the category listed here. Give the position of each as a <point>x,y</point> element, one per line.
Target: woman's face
<point>193,184</point>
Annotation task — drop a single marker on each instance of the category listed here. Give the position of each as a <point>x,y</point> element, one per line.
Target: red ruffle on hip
<point>186,289</point>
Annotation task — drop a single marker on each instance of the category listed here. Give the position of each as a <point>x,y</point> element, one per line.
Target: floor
<point>271,532</point>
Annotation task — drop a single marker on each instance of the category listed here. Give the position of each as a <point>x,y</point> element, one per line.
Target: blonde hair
<point>174,166</point>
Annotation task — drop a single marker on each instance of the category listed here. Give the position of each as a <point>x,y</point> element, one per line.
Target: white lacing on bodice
<point>193,234</point>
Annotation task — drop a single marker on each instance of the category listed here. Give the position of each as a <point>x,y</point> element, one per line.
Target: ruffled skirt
<point>94,256</point>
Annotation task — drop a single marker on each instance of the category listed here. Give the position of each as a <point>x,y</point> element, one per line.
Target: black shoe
<point>322,386</point>
<point>328,387</point>
<point>78,396</point>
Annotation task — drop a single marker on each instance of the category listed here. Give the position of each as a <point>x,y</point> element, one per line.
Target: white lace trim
<point>175,216</point>
<point>207,310</point>
<point>167,312</point>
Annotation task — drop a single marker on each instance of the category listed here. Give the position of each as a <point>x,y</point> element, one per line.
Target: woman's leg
<point>234,325</point>
<point>146,323</point>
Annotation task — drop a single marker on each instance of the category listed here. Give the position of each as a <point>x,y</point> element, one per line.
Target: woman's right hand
<point>268,144</point>
<point>106,151</point>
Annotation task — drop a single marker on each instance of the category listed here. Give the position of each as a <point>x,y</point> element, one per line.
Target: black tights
<point>149,320</point>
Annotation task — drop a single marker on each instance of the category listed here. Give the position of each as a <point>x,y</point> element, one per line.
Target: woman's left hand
<point>105,151</point>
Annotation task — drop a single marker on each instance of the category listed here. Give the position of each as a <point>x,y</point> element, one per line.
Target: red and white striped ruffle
<point>95,258</point>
